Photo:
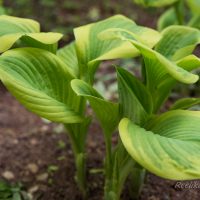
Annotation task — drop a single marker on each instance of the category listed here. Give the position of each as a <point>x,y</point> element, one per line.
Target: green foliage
<point>194,5</point>
<point>68,55</point>
<point>168,18</point>
<point>52,168</point>
<point>87,40</point>
<point>44,95</point>
<point>183,12</point>
<point>169,147</point>
<point>3,10</point>
<point>133,95</point>
<point>61,144</point>
<point>57,85</point>
<point>168,63</point>
<point>12,192</point>
<point>185,103</point>
<point>100,106</point>
<point>48,3</point>
<point>13,29</point>
<point>160,68</point>
<point>155,3</point>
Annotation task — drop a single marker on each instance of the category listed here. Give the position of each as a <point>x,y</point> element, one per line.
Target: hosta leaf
<point>135,100</point>
<point>185,103</point>
<point>155,3</point>
<point>40,40</point>
<point>162,59</point>
<point>106,111</point>
<point>160,71</point>
<point>13,28</point>
<point>41,82</point>
<point>168,18</point>
<point>178,42</point>
<point>170,148</point>
<point>189,62</point>
<point>69,57</point>
<point>91,49</point>
<point>10,24</point>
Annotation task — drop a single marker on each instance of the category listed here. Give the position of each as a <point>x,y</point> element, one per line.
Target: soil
<point>26,140</point>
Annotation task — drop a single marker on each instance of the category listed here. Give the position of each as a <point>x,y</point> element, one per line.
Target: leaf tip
<point>123,125</point>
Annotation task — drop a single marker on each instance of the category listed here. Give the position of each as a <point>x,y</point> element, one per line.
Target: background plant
<point>12,192</point>
<point>182,12</point>
<point>178,12</point>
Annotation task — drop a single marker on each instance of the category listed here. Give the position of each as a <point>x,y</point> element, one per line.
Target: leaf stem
<point>136,178</point>
<point>108,165</point>
<point>118,165</point>
<point>80,160</point>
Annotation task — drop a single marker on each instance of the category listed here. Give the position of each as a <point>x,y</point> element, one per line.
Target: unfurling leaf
<point>135,100</point>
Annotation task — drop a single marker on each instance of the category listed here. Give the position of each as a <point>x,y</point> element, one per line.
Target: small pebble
<point>33,189</point>
<point>8,175</point>
<point>33,168</point>
<point>34,141</point>
<point>15,141</point>
<point>42,177</point>
<point>44,128</point>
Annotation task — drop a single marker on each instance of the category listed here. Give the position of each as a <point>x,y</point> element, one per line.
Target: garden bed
<point>39,156</point>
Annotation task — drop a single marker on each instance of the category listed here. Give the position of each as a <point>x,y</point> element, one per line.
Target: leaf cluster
<point>58,84</point>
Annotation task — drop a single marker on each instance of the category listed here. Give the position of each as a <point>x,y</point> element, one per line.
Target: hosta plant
<point>183,12</point>
<point>57,84</point>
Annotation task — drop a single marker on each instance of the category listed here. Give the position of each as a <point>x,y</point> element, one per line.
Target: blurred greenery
<point>12,192</point>
<point>2,8</point>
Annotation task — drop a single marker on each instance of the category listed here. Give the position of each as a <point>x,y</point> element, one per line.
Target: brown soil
<point>25,139</point>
